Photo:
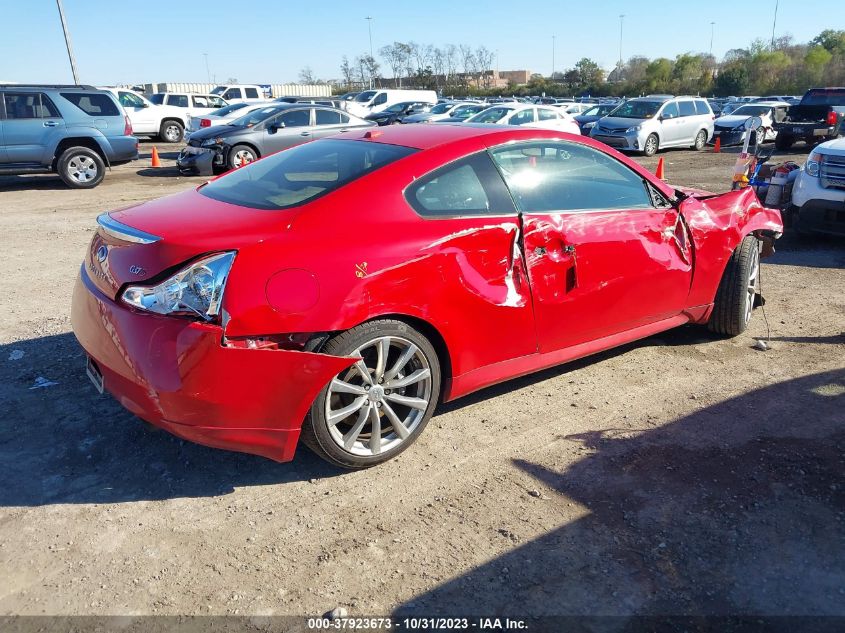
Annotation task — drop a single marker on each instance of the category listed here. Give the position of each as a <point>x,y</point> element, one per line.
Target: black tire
<point>240,153</point>
<point>700,140</point>
<point>81,168</point>
<point>783,142</point>
<point>731,310</point>
<point>317,432</point>
<point>171,131</point>
<point>651,145</point>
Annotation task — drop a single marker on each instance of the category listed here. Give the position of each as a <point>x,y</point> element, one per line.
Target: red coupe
<point>341,289</point>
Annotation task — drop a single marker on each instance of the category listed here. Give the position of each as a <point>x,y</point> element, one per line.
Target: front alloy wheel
<point>376,408</point>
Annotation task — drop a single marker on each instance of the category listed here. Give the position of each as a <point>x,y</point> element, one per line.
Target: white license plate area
<point>94,374</point>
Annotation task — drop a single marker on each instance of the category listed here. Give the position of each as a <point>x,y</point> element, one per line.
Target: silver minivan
<point>646,124</point>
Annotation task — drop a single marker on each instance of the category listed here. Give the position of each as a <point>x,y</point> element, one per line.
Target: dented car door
<point>605,253</point>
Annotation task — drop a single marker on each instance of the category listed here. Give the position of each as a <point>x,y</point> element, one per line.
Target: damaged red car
<point>338,291</point>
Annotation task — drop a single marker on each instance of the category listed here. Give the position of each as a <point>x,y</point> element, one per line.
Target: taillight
<point>127,127</point>
<point>832,118</point>
<point>205,122</point>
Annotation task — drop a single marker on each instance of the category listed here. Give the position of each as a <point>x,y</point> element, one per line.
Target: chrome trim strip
<point>124,233</point>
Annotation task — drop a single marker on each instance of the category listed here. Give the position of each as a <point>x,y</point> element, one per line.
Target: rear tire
<point>387,408</point>
<point>651,145</point>
<point>700,140</point>
<point>171,131</point>
<point>737,289</point>
<point>783,142</point>
<point>81,168</point>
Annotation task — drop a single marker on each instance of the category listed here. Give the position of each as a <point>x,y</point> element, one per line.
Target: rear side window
<point>233,93</point>
<point>157,99</point>
<point>93,103</point>
<point>687,108</point>
<point>547,115</point>
<point>302,174</point>
<point>180,101</point>
<point>702,107</point>
<point>29,105</point>
<point>470,186</point>
<point>330,117</point>
<point>251,93</point>
<point>522,117</point>
<point>201,102</point>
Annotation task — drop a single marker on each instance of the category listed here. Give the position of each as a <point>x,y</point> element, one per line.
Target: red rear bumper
<point>175,374</point>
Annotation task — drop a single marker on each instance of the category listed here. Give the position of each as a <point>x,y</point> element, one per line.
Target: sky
<point>270,41</point>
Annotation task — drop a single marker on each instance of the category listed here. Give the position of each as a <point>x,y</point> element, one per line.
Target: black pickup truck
<point>819,117</point>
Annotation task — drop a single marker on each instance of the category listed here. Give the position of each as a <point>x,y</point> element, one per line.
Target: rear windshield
<point>302,174</point>
<point>229,109</point>
<point>824,98</point>
<point>93,103</point>
<point>491,115</point>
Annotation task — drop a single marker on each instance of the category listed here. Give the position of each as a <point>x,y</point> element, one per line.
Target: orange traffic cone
<point>717,146</point>
<point>156,162</point>
<point>659,172</point>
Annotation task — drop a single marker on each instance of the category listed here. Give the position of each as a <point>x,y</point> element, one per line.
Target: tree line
<point>779,67</point>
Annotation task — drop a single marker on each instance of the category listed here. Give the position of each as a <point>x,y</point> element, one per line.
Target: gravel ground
<point>683,474</point>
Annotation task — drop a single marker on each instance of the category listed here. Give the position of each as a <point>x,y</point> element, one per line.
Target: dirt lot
<point>680,475</point>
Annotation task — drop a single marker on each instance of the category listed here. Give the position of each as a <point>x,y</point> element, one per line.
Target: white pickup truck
<point>148,119</point>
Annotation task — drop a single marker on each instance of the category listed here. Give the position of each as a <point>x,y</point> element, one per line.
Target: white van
<point>240,93</point>
<point>372,101</point>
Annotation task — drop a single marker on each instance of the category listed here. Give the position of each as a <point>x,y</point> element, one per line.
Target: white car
<point>730,128</point>
<point>193,104</point>
<point>223,115</point>
<point>441,111</point>
<point>575,108</point>
<point>166,122</point>
<point>237,93</point>
<point>818,194</point>
<point>544,117</point>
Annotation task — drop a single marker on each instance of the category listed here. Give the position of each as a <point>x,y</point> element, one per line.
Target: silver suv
<point>646,124</point>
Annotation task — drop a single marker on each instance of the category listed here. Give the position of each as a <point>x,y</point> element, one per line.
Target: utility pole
<point>207,71</point>
<point>774,24</point>
<point>712,28</point>
<point>621,21</point>
<point>370,31</point>
<point>553,58</point>
<point>67,42</point>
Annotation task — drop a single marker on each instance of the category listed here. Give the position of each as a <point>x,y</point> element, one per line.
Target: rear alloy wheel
<point>738,290</point>
<point>241,155</point>
<point>374,410</point>
<point>171,131</point>
<point>81,168</point>
<point>700,140</point>
<point>651,144</point>
<point>760,137</point>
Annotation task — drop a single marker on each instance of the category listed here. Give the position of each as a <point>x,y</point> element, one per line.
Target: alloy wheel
<point>242,157</point>
<point>751,288</point>
<point>172,133</point>
<point>82,169</point>
<point>375,405</point>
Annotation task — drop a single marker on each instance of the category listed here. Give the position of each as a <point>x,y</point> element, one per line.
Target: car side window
<point>701,107</point>
<point>381,98</point>
<point>330,117</point>
<point>670,111</point>
<point>233,93</point>
<point>547,115</point>
<point>92,103</point>
<point>22,105</point>
<point>216,102</point>
<point>522,117</point>
<point>470,186</point>
<point>180,101</point>
<point>201,102</point>
<point>687,108</point>
<point>128,100</point>
<point>297,118</point>
<point>251,93</point>
<point>558,176</point>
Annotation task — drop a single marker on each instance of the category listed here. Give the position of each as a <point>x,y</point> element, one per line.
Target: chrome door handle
<point>50,124</point>
<point>305,133</point>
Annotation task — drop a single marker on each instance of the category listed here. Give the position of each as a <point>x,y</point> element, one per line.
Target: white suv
<point>193,104</point>
<point>148,119</point>
<point>818,195</point>
<point>646,124</point>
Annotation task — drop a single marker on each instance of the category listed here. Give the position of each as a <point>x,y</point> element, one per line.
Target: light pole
<point>774,24</point>
<point>553,58</point>
<point>712,29</point>
<point>370,32</point>
<point>67,42</point>
<point>621,21</point>
<point>207,71</point>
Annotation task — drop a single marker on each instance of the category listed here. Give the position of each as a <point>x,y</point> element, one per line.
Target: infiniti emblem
<point>102,252</point>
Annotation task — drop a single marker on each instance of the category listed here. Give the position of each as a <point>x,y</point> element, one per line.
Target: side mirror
<point>144,104</point>
<point>275,127</point>
<point>753,123</point>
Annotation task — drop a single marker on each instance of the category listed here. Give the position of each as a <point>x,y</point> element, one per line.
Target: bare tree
<point>438,64</point>
<point>306,76</point>
<point>467,62</point>
<point>451,63</point>
<point>347,71</point>
<point>409,51</point>
<point>484,61</point>
<point>393,55</point>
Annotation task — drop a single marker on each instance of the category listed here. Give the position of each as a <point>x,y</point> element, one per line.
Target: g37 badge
<point>361,270</point>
